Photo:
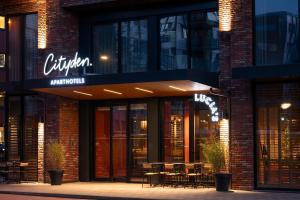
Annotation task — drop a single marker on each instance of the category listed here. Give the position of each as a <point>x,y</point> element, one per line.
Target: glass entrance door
<point>111,142</point>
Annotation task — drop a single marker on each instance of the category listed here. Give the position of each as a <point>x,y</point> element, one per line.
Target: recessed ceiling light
<point>114,92</point>
<point>104,57</point>
<point>144,90</point>
<point>177,88</point>
<point>83,93</point>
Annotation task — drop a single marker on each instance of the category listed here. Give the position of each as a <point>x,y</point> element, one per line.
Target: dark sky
<point>264,6</point>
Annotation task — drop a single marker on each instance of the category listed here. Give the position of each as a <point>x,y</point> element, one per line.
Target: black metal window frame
<point>22,66</point>
<point>88,21</point>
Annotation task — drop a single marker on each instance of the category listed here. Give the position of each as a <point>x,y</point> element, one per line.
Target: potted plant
<point>56,159</point>
<point>215,153</point>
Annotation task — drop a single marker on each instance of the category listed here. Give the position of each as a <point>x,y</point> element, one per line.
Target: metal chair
<point>149,172</point>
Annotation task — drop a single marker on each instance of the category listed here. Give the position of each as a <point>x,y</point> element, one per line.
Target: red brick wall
<point>236,51</point>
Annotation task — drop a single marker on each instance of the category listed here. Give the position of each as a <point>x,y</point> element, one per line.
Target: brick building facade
<point>63,28</point>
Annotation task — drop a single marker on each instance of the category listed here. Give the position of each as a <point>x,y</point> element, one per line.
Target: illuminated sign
<point>210,103</point>
<point>67,81</point>
<point>62,64</point>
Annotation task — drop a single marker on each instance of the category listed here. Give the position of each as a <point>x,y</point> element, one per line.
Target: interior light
<point>177,88</point>
<point>2,22</point>
<point>114,92</point>
<point>104,57</point>
<point>144,90</point>
<point>83,93</point>
<point>285,106</point>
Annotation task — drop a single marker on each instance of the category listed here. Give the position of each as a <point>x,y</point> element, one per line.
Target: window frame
<point>88,21</point>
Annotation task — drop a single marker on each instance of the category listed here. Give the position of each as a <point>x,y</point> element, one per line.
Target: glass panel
<point>15,50</point>
<point>138,138</point>
<point>14,117</point>
<point>102,142</point>
<point>134,46</point>
<point>278,135</point>
<point>106,49</point>
<point>176,131</point>
<point>30,46</point>
<point>119,137</point>
<point>173,42</point>
<point>204,128</point>
<point>277,32</point>
<point>205,41</point>
<point>2,122</point>
<point>33,114</point>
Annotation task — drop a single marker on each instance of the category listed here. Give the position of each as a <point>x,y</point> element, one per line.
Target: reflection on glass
<point>105,45</point>
<point>102,142</point>
<point>138,138</point>
<point>30,46</point>
<point>277,32</point>
<point>278,138</point>
<point>119,140</point>
<point>14,119</point>
<point>15,48</point>
<point>173,42</point>
<point>134,45</point>
<point>205,41</point>
<point>2,122</point>
<point>33,114</point>
<point>176,131</point>
<point>204,129</point>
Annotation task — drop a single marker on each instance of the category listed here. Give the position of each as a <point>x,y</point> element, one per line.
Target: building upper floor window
<point>277,32</point>
<point>2,22</point>
<point>188,40</point>
<point>22,47</point>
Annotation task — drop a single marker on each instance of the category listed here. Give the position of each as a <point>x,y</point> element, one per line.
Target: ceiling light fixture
<point>83,93</point>
<point>111,91</point>
<point>177,88</point>
<point>144,90</point>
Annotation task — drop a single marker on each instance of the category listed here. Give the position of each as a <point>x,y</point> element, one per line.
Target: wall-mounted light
<point>225,15</point>
<point>285,105</point>
<point>42,24</point>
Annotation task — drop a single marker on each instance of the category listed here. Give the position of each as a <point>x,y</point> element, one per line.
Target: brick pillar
<point>236,51</point>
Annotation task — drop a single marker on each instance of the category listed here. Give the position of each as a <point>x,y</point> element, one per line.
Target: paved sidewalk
<point>94,190</point>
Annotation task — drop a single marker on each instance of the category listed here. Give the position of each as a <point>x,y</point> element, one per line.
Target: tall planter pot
<point>56,176</point>
<point>223,181</point>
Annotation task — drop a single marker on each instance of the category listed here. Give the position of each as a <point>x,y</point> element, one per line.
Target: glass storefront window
<point>205,41</point>
<point>138,138</point>
<point>30,46</point>
<point>176,131</point>
<point>277,132</point>
<point>173,42</point>
<point>105,44</point>
<point>134,46</point>
<point>277,32</point>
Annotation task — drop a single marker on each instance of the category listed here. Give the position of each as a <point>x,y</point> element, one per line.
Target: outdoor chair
<point>193,172</point>
<point>149,172</point>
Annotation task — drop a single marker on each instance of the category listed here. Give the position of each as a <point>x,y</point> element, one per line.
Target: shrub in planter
<point>56,160</point>
<point>215,154</point>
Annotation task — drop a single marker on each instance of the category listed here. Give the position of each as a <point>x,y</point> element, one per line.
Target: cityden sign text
<point>210,103</point>
<point>63,65</point>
